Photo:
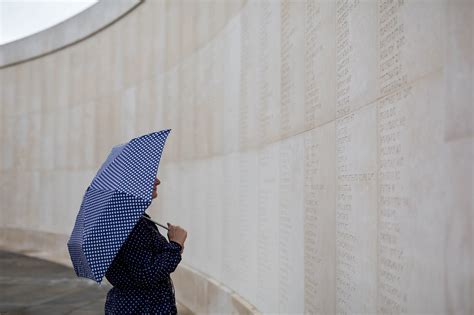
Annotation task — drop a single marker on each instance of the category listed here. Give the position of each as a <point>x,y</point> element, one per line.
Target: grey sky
<point>20,18</point>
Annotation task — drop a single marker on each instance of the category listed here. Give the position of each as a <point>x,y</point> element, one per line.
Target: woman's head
<point>155,185</point>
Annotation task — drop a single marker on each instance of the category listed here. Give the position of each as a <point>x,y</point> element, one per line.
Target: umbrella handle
<point>155,222</point>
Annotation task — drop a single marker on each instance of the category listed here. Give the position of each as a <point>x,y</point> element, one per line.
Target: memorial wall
<point>321,153</point>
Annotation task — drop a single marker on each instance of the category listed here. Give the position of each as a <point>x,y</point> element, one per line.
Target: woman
<point>140,273</point>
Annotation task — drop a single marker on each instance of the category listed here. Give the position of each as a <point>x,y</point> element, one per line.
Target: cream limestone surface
<point>321,153</point>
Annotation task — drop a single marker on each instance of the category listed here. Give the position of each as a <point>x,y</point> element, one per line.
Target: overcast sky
<point>20,18</point>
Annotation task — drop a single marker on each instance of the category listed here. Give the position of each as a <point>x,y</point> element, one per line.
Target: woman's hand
<point>177,234</point>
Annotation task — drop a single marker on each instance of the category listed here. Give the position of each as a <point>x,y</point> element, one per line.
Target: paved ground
<point>34,286</point>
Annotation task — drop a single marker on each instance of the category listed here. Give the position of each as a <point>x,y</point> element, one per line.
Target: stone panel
<point>319,220</point>
<point>356,212</point>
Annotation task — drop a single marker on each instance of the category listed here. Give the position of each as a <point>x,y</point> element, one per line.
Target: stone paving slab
<point>29,285</point>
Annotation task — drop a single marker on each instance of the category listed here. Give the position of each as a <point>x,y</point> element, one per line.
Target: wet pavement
<point>30,285</point>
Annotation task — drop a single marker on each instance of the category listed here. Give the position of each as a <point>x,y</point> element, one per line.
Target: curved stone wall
<point>61,91</point>
<point>321,152</point>
<point>66,33</point>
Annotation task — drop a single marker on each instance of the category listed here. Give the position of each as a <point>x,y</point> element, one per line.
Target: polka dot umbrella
<point>119,194</point>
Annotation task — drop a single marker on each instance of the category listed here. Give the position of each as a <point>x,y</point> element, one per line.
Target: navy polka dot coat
<point>140,273</point>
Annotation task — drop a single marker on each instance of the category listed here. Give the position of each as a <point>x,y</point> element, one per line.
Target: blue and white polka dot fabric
<point>113,204</point>
<point>140,273</point>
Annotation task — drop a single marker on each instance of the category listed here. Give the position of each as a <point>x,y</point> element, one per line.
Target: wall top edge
<point>73,30</point>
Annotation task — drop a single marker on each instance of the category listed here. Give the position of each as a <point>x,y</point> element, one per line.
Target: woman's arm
<point>145,265</point>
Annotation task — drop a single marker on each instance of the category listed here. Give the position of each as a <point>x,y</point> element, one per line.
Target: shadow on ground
<point>30,285</point>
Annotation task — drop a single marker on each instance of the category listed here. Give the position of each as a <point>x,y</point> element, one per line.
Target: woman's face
<point>155,193</point>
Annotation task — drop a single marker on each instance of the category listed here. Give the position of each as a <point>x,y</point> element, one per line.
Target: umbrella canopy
<point>119,194</point>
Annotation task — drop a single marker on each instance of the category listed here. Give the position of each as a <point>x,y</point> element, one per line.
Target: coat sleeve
<point>146,265</point>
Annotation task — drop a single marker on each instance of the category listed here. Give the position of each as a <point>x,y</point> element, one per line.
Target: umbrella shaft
<point>155,222</point>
